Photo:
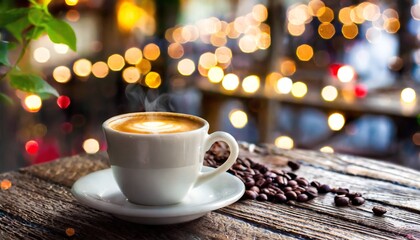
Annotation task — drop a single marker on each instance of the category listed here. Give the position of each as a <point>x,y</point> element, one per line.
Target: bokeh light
<point>145,66</point>
<point>82,67</point>
<point>336,121</point>
<point>344,15</point>
<point>230,82</point>
<point>295,30</point>
<point>304,52</point>
<point>61,48</point>
<point>32,147</point>
<point>72,2</point>
<point>299,89</point>
<point>325,14</point>
<point>408,95</point>
<point>251,84</point>
<point>260,12</point>
<point>238,118</point>
<point>131,74</point>
<point>63,102</point>
<point>350,31</point>
<point>327,149</point>
<point>207,60</point>
<point>133,55</point>
<point>100,69</point>
<point>284,85</point>
<point>326,30</point>
<point>5,184</point>
<point>215,74</point>
<point>223,54</point>
<point>329,93</point>
<point>153,80</point>
<point>91,146</point>
<point>248,44</point>
<point>116,62</point>
<point>186,67</point>
<point>61,74</point>
<point>284,142</point>
<point>151,51</point>
<point>72,15</point>
<point>346,73</point>
<point>32,103</point>
<point>175,50</point>
<point>287,67</point>
<point>41,55</point>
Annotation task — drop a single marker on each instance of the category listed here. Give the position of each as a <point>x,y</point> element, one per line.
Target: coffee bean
<point>287,189</point>
<point>262,197</point>
<point>260,182</point>
<point>293,165</point>
<point>263,169</point>
<point>249,182</point>
<point>316,184</point>
<point>379,211</point>
<point>341,201</point>
<point>255,189</point>
<point>249,194</point>
<point>291,195</point>
<point>270,174</point>
<point>302,182</point>
<point>324,188</point>
<point>280,198</point>
<point>282,181</point>
<point>258,176</point>
<point>353,195</point>
<point>291,175</point>
<point>312,192</point>
<point>292,183</point>
<point>342,191</point>
<point>357,201</point>
<point>302,197</point>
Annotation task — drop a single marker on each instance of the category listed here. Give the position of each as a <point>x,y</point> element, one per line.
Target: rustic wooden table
<point>39,204</point>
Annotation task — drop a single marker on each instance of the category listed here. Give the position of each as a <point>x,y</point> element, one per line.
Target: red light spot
<point>31,147</point>
<point>334,69</point>
<point>360,91</point>
<point>63,101</point>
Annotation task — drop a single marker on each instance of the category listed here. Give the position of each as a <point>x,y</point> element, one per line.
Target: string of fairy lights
<point>250,34</point>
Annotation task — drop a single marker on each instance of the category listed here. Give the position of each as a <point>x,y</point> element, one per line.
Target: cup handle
<point>234,151</point>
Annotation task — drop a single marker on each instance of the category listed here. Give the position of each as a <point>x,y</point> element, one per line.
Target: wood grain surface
<point>39,204</point>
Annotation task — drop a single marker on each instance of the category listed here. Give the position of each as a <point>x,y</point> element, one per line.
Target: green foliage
<point>25,25</point>
<point>31,83</point>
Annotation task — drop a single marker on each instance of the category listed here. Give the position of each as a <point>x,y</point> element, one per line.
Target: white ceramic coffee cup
<point>161,169</point>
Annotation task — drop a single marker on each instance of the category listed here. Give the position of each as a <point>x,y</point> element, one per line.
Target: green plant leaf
<point>61,32</point>
<point>35,32</point>
<point>12,15</point>
<point>31,83</point>
<point>4,59</point>
<point>6,99</point>
<point>16,28</point>
<point>36,16</point>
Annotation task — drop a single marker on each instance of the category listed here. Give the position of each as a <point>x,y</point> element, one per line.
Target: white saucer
<point>100,191</point>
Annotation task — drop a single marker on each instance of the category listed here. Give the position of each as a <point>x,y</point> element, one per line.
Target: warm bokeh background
<point>333,76</point>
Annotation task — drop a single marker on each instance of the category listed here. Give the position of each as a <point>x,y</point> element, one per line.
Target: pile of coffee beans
<point>279,186</point>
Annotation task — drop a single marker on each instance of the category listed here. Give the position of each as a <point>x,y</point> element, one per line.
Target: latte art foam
<point>158,123</point>
<point>156,127</point>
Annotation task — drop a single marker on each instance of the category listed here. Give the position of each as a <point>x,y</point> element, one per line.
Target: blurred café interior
<point>326,75</point>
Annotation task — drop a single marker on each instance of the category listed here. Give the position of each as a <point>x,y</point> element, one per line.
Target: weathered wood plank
<point>353,165</point>
<point>304,222</point>
<point>382,184</point>
<point>36,209</point>
<point>67,170</point>
<point>373,189</point>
